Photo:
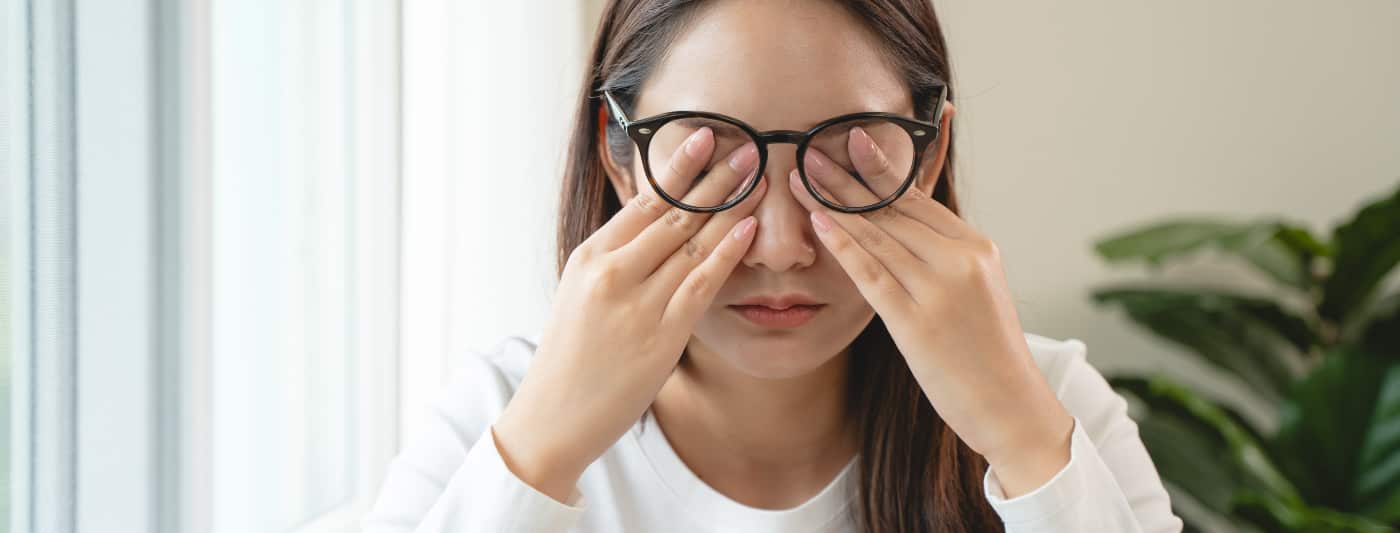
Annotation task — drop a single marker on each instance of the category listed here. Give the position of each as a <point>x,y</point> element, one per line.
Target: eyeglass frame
<point>642,130</point>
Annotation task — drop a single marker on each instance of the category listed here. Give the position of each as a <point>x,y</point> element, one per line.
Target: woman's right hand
<point>626,306</point>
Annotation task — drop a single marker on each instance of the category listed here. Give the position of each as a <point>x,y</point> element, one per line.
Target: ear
<point>620,178</point>
<point>932,168</point>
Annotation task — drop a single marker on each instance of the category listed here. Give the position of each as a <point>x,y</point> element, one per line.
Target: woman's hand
<point>939,287</point>
<point>625,308</point>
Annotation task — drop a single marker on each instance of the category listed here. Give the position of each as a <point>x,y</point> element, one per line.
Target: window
<point>198,263</point>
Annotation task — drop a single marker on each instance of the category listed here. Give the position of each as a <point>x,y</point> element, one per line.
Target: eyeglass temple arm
<point>616,110</point>
<point>938,111</point>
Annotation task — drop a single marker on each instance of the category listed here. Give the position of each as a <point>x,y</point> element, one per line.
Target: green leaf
<point>1185,435</point>
<point>1300,239</point>
<point>1378,489</point>
<point>1367,248</point>
<point>1156,242</point>
<point>1282,250</point>
<point>1252,338</point>
<point>1382,333</point>
<point>1276,515</point>
<point>1339,434</point>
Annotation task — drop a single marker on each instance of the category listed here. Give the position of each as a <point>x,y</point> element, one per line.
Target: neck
<point>709,407</point>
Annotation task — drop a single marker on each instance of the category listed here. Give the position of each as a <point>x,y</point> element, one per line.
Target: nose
<point>784,240</point>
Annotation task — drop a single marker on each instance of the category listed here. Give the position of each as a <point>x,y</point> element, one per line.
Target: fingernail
<point>821,221</point>
<point>745,159</point>
<point>745,226</point>
<point>864,139</point>
<point>694,145</point>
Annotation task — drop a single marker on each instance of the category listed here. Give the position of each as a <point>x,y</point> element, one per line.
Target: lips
<point>778,311</point>
<point>779,301</point>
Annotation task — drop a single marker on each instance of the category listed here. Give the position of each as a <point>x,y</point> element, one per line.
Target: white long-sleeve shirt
<point>451,478</point>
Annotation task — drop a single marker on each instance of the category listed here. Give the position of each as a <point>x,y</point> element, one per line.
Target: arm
<point>452,478</point>
<point>1110,482</point>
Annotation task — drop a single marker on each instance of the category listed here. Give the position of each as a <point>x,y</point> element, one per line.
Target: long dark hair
<point>916,475</point>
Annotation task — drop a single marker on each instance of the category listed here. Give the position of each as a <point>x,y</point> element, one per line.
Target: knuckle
<point>884,214</point>
<point>975,265</point>
<point>868,272</point>
<point>680,220</point>
<point>647,203</point>
<point>891,288</point>
<point>582,253</point>
<point>990,250</point>
<point>605,277</point>
<point>982,254</point>
<point>840,244</point>
<point>695,250</point>
<point>882,163</point>
<point>700,283</point>
<point>870,238</point>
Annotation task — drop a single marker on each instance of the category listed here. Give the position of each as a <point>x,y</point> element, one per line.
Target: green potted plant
<point>1324,348</point>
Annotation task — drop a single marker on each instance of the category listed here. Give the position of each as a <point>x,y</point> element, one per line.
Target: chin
<point>774,358</point>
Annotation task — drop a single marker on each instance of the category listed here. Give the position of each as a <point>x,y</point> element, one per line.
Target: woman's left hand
<point>938,285</point>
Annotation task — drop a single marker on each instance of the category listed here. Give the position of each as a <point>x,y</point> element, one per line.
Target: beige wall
<point>1082,116</point>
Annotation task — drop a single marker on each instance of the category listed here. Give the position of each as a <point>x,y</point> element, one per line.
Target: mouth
<point>768,317</point>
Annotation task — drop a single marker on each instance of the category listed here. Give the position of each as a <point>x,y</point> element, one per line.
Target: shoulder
<point>1057,359</point>
<point>456,421</point>
<point>483,381</point>
<point>479,385</point>
<point>506,360</point>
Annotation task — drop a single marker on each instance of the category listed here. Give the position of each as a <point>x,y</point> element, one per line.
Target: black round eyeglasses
<point>901,142</point>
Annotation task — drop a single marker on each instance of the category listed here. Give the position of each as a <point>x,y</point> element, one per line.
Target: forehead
<point>776,64</point>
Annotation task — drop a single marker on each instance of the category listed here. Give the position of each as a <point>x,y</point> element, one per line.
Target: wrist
<point>532,459</point>
<point>1035,456</point>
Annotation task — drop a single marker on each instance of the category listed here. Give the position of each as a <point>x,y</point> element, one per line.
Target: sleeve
<point>1109,483</point>
<point>451,477</point>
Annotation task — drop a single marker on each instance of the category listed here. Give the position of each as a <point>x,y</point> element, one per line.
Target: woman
<point>762,329</point>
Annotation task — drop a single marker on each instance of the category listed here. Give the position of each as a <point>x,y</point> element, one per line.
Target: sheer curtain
<point>489,92</point>
<point>302,232</point>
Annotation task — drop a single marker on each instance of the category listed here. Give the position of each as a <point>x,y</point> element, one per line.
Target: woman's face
<point>777,65</point>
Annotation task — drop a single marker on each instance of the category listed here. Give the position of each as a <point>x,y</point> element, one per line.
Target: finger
<point>646,206</point>
<point>872,277</point>
<point>921,241</point>
<point>721,182</point>
<point>842,187</point>
<point>882,173</point>
<point>869,159</point>
<point>895,253</point>
<point>685,259</point>
<point>664,235</point>
<point>906,269</point>
<point>697,291</point>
